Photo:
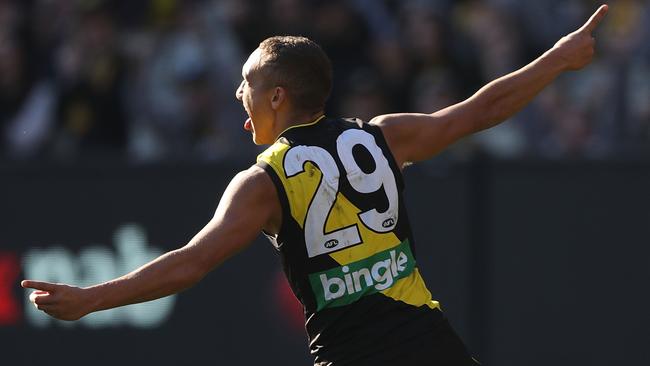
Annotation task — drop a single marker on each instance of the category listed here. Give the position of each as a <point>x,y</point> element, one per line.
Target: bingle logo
<point>331,243</point>
<point>345,284</point>
<point>381,276</point>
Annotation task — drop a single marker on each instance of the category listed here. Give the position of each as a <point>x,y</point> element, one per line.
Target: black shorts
<point>439,346</point>
<point>442,348</point>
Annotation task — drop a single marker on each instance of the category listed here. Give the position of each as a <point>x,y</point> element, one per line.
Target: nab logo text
<point>94,264</point>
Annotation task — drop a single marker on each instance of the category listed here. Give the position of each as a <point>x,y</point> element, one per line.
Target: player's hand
<point>58,300</point>
<point>576,49</point>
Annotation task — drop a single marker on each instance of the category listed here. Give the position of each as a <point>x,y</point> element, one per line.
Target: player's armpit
<point>414,137</point>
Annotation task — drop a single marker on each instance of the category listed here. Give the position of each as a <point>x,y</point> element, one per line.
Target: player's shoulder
<point>253,173</point>
<point>253,179</point>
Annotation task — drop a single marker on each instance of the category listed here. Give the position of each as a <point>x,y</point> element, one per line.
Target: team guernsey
<point>346,244</point>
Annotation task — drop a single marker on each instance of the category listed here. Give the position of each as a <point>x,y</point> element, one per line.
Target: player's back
<point>347,248</point>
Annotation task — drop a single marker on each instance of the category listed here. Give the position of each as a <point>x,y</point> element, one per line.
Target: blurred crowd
<point>154,80</point>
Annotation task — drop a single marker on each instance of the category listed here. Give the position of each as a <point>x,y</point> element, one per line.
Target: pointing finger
<point>595,19</point>
<point>38,285</point>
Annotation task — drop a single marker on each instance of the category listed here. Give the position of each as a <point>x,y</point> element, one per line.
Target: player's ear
<point>278,97</point>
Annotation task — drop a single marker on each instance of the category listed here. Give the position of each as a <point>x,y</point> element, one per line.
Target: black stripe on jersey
<point>282,195</point>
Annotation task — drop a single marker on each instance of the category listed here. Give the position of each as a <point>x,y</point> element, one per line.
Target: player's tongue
<point>248,125</point>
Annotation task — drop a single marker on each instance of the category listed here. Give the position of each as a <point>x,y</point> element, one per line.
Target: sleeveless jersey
<point>346,244</point>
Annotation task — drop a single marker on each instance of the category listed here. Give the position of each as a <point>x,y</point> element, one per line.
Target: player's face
<point>256,98</point>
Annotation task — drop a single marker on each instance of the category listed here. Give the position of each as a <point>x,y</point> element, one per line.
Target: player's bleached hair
<point>300,66</point>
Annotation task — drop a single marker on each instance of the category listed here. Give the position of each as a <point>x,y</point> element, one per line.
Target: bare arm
<point>415,137</point>
<point>249,204</point>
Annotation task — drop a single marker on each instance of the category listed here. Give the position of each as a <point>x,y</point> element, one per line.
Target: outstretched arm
<point>414,137</point>
<point>248,205</point>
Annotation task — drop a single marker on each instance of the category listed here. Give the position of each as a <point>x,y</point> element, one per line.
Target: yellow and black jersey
<point>345,242</point>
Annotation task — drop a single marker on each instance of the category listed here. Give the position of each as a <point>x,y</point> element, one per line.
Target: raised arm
<point>248,205</point>
<point>415,137</point>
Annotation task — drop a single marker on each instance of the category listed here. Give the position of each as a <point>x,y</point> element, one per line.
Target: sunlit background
<point>149,81</point>
<point>119,130</point>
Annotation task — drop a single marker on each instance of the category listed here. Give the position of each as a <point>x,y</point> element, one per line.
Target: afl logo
<point>331,243</point>
<point>388,223</point>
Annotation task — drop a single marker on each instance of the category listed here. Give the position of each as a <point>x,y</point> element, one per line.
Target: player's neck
<point>297,119</point>
<point>306,118</point>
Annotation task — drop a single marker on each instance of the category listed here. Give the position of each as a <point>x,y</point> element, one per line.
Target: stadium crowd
<point>154,80</point>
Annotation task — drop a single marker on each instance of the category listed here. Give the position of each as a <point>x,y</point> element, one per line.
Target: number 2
<point>319,241</point>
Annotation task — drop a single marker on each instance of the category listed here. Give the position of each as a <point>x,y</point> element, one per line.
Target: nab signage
<point>91,265</point>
